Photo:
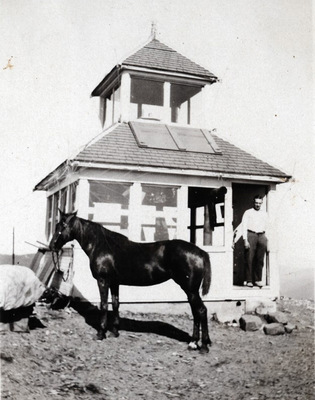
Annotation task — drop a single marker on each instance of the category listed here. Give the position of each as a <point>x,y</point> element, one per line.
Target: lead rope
<point>56,255</point>
<point>69,269</point>
<point>55,258</point>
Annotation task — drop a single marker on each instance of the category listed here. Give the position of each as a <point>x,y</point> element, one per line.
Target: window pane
<point>72,196</point>
<point>207,216</point>
<point>185,103</point>
<point>146,92</point>
<point>109,205</point>
<point>55,216</point>
<point>146,98</point>
<point>63,199</point>
<point>158,213</point>
<point>49,216</point>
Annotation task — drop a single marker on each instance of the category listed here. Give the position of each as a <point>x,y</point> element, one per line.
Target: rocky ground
<point>150,359</point>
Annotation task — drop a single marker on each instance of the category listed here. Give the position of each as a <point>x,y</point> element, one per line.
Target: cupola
<point>155,83</point>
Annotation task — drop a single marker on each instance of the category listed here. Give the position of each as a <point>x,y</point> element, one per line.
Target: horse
<point>115,260</point>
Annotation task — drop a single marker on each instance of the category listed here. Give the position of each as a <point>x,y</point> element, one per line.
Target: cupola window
<point>146,98</point>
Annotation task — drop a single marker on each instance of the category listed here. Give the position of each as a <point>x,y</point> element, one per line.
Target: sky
<point>60,50</point>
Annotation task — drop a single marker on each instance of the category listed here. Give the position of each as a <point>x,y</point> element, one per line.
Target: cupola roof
<point>157,56</point>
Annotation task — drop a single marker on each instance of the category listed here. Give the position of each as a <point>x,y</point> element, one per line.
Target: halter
<point>56,253</point>
<point>64,225</point>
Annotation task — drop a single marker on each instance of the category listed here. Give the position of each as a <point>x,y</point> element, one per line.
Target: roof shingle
<point>156,55</point>
<point>119,146</point>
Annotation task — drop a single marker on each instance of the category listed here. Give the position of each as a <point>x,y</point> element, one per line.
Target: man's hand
<point>246,244</point>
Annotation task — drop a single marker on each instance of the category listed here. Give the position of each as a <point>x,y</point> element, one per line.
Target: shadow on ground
<point>91,315</point>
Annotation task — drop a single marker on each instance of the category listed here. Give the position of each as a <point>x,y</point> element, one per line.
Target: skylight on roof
<point>169,137</point>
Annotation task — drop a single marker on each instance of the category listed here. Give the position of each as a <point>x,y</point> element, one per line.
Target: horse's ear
<point>75,213</point>
<point>61,213</point>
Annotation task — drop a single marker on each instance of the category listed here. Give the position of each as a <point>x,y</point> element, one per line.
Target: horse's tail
<point>206,274</point>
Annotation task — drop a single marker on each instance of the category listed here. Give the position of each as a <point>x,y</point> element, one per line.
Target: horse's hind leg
<point>199,312</point>
<point>103,288</point>
<point>193,345</point>
<point>115,302</point>
<point>205,338</point>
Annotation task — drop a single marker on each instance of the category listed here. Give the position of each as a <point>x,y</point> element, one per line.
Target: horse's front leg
<point>103,288</point>
<point>115,301</point>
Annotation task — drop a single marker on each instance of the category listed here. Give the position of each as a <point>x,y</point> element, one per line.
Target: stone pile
<point>254,315</point>
<point>272,323</point>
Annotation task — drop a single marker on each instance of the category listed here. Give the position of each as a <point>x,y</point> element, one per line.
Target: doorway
<point>242,200</point>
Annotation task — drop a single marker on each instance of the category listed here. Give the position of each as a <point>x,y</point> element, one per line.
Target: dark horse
<point>115,260</point>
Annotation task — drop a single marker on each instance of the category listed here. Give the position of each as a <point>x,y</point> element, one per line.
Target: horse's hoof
<point>193,346</point>
<point>100,336</point>
<point>114,333</point>
<point>204,350</point>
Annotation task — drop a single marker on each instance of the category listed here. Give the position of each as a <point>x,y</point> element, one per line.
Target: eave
<point>113,76</point>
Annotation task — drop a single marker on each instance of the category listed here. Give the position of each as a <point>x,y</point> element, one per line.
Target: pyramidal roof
<point>157,56</point>
<point>120,146</point>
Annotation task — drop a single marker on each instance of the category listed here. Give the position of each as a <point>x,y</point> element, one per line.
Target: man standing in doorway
<point>254,224</point>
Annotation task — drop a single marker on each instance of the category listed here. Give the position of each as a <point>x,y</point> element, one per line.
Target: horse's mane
<point>101,231</point>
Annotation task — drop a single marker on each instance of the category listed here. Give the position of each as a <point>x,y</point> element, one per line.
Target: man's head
<point>258,200</point>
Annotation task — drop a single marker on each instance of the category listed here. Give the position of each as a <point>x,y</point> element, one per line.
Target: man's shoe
<point>259,284</point>
<point>249,284</point>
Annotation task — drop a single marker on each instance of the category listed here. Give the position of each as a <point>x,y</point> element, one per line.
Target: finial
<point>153,30</point>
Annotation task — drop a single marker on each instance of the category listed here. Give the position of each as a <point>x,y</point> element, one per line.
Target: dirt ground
<point>150,360</point>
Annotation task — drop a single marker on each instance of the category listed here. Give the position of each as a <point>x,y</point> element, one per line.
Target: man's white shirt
<point>254,220</point>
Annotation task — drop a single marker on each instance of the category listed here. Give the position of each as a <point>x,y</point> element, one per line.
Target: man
<point>254,224</point>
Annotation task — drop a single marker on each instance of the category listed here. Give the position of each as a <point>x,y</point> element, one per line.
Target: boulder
<point>229,318</point>
<point>277,316</point>
<point>274,329</point>
<point>289,328</point>
<point>262,304</point>
<point>250,323</point>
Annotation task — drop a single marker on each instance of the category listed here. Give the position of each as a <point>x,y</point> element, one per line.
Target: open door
<point>243,195</point>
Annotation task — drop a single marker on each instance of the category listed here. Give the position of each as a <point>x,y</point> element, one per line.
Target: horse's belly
<point>144,276</point>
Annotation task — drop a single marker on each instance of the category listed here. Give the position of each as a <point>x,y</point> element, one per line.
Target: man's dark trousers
<point>255,256</point>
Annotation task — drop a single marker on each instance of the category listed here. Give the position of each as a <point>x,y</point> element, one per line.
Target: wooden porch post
<point>125,96</point>
<point>166,102</point>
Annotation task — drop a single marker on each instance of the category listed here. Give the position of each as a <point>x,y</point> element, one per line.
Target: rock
<point>277,316</point>
<point>4,326</point>
<point>274,329</point>
<point>21,325</point>
<point>263,305</point>
<point>227,312</point>
<point>227,318</point>
<point>289,328</point>
<point>250,323</point>
<point>6,357</point>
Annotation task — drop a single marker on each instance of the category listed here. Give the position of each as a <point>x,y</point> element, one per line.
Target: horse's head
<point>63,232</point>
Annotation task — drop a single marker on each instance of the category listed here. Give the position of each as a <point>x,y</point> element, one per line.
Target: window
<point>206,215</point>
<point>146,98</point>
<point>185,103</point>
<point>158,213</point>
<point>72,196</point>
<point>52,214</point>
<point>110,108</point>
<point>109,205</point>
<point>56,198</point>
<point>63,199</point>
<point>49,218</point>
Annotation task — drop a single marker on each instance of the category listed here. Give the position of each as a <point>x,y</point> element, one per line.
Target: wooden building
<point>158,172</point>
